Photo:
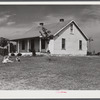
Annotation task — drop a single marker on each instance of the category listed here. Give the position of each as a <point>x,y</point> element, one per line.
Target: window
<point>71,28</point>
<point>43,43</point>
<point>23,44</point>
<point>80,44</point>
<point>63,43</point>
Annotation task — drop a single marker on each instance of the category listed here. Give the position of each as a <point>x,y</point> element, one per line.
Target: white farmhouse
<point>68,39</point>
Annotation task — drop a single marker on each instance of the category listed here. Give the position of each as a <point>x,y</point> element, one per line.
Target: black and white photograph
<point>50,47</point>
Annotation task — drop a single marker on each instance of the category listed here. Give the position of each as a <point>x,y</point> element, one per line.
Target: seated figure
<point>6,60</point>
<point>18,59</point>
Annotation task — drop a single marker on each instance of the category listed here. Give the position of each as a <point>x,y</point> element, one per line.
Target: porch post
<point>18,46</point>
<point>40,43</point>
<point>28,45</point>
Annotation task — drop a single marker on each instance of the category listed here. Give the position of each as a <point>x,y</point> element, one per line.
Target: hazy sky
<point>21,18</point>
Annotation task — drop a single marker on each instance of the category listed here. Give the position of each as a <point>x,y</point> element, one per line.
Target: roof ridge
<point>33,31</point>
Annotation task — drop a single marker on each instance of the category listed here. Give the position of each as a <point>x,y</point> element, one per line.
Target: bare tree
<point>45,33</point>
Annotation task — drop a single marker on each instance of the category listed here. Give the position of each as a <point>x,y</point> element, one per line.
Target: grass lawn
<point>40,73</point>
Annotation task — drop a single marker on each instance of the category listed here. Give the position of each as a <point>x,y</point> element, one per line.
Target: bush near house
<point>33,52</point>
<point>12,54</point>
<point>97,53</point>
<point>19,54</point>
<point>3,46</point>
<point>89,53</point>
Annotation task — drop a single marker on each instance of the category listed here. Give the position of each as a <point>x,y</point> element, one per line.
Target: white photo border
<point>49,94</point>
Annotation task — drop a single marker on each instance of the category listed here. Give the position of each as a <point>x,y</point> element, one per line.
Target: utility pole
<point>90,40</point>
<point>8,47</point>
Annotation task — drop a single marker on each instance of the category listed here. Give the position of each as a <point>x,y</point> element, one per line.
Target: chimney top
<point>41,24</point>
<point>61,20</point>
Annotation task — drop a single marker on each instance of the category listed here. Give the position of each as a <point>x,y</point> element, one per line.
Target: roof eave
<point>23,38</point>
<point>81,31</point>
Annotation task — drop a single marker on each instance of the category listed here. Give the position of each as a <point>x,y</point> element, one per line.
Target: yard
<point>53,73</point>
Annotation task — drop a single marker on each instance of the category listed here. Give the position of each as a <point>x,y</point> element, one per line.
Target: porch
<point>26,46</point>
<point>29,53</point>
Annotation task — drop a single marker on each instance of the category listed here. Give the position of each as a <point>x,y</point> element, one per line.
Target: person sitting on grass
<point>6,60</point>
<point>18,59</point>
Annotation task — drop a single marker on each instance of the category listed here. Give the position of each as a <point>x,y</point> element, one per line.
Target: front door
<point>43,45</point>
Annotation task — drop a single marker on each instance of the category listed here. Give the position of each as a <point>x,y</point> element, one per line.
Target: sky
<point>15,19</point>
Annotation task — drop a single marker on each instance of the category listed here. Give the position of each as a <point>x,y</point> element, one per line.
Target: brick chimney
<point>41,24</point>
<point>61,20</point>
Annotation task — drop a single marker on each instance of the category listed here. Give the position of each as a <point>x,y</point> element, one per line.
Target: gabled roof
<point>72,21</point>
<point>80,30</point>
<point>55,28</point>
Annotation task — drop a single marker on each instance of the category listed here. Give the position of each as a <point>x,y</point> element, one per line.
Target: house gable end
<point>65,27</point>
<point>80,31</point>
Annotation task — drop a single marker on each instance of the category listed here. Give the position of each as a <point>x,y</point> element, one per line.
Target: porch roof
<point>34,31</point>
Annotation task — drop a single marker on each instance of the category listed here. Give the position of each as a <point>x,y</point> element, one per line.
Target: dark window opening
<point>71,28</point>
<point>80,44</point>
<point>43,44</point>
<point>63,43</point>
<point>23,44</point>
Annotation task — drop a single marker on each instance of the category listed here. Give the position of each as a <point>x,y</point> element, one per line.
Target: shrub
<point>33,52</point>
<point>98,54</point>
<point>48,52</point>
<point>3,52</point>
<point>12,54</point>
<point>19,54</point>
<point>89,53</point>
